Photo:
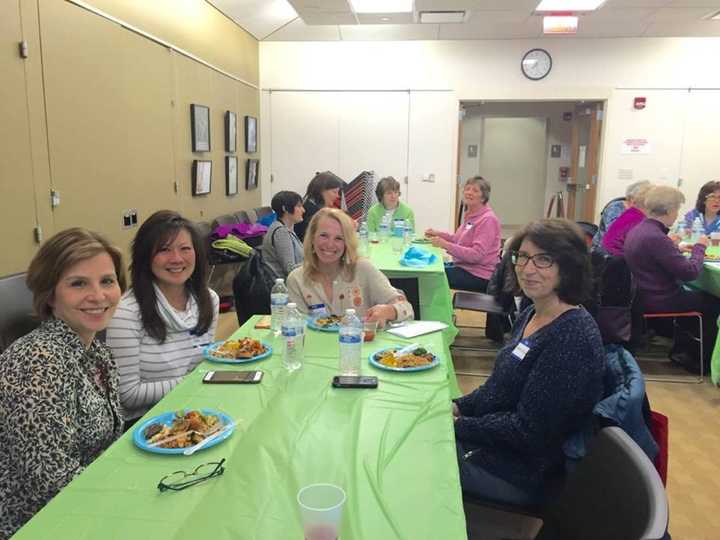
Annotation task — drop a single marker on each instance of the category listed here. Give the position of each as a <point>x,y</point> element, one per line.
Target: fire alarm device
<point>639,103</point>
<point>564,173</point>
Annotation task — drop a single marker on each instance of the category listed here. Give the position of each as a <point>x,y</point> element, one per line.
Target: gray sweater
<point>282,249</point>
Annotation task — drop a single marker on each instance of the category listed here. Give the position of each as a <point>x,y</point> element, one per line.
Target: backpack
<point>251,288</point>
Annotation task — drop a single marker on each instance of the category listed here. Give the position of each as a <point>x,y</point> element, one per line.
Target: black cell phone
<point>233,377</point>
<point>354,381</point>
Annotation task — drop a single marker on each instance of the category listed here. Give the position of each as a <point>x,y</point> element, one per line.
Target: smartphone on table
<point>354,381</point>
<point>233,377</point>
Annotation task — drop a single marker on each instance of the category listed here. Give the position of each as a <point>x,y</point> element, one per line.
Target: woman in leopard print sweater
<point>59,406</point>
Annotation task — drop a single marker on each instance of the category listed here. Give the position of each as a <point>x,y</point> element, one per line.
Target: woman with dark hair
<point>281,247</point>
<point>59,406</point>
<point>707,208</point>
<point>546,380</point>
<point>167,316</point>
<point>475,246</point>
<point>322,192</point>
<point>389,203</point>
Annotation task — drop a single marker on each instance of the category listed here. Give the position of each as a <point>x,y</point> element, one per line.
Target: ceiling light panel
<point>568,5</point>
<point>442,17</point>
<point>382,6</point>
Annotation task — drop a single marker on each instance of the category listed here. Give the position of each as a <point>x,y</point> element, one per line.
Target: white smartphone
<point>233,377</point>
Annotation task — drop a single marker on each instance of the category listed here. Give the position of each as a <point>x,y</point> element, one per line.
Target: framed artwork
<point>231,176</point>
<point>230,131</point>
<point>251,174</point>
<point>200,127</point>
<point>201,176</point>
<point>250,134</point>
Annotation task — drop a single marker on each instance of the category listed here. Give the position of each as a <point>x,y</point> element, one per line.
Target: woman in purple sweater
<point>614,240</point>
<point>475,246</point>
<point>546,380</point>
<point>660,268</point>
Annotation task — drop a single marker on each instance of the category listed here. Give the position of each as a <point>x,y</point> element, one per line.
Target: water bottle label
<point>279,299</point>
<point>350,338</point>
<point>289,331</point>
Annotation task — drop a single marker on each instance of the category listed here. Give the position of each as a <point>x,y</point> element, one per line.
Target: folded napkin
<point>418,257</point>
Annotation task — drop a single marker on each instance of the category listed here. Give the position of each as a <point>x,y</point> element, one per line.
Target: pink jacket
<point>475,246</point>
<point>614,239</point>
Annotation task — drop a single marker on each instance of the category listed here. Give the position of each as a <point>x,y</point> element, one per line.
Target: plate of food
<point>175,432</point>
<point>714,257</point>
<point>419,359</point>
<point>325,323</point>
<point>237,351</point>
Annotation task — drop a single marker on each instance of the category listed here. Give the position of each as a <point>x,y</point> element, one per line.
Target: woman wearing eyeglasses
<point>546,380</point>
<point>707,208</point>
<point>390,205</point>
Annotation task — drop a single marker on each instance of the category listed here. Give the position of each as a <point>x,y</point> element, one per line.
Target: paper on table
<point>417,328</point>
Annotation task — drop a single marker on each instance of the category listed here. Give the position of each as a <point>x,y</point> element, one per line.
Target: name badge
<point>469,226</point>
<point>520,350</point>
<point>318,309</point>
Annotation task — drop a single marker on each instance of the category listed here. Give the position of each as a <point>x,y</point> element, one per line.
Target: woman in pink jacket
<point>475,246</point>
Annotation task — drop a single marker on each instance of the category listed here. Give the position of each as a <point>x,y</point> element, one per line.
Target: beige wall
<point>102,115</point>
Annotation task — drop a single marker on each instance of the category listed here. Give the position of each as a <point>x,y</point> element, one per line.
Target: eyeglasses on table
<point>180,480</point>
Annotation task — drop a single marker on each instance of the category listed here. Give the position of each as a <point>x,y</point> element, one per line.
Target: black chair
<point>16,310</point>
<point>614,493</point>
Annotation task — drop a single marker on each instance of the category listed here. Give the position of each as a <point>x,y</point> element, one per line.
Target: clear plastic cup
<point>321,510</point>
<point>369,330</point>
<point>397,243</point>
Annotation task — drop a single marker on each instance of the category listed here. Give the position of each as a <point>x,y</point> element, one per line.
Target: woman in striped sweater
<point>168,315</point>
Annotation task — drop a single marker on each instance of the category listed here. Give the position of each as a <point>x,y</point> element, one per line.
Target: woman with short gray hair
<point>660,268</point>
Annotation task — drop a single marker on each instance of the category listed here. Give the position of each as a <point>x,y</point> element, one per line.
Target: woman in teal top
<point>388,194</point>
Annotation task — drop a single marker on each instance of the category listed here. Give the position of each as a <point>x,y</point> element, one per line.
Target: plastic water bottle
<point>278,303</point>
<point>384,227</point>
<point>408,233</point>
<point>680,230</point>
<point>363,237</point>
<point>351,335</point>
<point>293,333</point>
<point>697,230</point>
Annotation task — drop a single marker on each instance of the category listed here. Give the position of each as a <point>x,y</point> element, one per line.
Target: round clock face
<point>536,64</point>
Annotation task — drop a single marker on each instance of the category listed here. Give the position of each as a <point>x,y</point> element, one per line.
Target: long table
<point>435,295</point>
<point>392,449</point>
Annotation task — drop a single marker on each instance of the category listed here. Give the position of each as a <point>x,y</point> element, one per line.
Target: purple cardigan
<point>658,265</point>
<point>614,239</point>
<point>475,246</point>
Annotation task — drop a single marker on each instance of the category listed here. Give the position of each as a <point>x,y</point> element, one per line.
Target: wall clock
<point>536,64</point>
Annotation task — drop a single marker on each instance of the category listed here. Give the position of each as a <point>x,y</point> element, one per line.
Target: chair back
<point>16,310</point>
<point>615,292</point>
<point>615,492</point>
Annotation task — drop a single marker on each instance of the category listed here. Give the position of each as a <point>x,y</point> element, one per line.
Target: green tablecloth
<point>709,281</point>
<point>392,449</point>
<point>435,296</point>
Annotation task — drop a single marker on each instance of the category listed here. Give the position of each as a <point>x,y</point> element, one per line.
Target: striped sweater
<point>149,369</point>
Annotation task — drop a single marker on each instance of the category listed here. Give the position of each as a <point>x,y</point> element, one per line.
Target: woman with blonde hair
<point>59,404</point>
<point>334,278</point>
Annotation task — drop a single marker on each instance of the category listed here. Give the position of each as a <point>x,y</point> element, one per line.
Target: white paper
<point>582,151</point>
<point>637,145</point>
<point>417,328</point>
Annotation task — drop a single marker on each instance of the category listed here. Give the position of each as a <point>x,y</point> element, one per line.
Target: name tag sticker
<point>520,351</point>
<point>469,226</point>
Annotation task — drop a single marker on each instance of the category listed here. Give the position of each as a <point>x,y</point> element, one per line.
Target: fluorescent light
<point>569,5</point>
<point>440,17</point>
<point>382,6</point>
<point>555,24</point>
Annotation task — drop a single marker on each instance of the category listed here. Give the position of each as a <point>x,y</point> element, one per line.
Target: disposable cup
<point>715,239</point>
<point>321,510</point>
<point>369,330</point>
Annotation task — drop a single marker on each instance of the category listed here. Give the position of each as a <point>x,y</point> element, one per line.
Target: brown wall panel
<point>17,191</point>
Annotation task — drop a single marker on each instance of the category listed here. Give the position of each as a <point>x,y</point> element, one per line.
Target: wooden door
<point>585,157</point>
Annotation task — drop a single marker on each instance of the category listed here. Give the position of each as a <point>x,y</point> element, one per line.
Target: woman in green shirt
<point>388,194</point>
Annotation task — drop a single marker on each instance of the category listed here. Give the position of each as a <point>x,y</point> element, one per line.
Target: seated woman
<point>660,268</point>
<point>322,192</point>
<point>707,208</point>
<point>282,249</point>
<point>59,406</point>
<point>546,380</point>
<point>612,211</point>
<point>390,205</point>
<point>333,277</point>
<point>475,246</point>
<point>167,316</point>
<point>613,241</point>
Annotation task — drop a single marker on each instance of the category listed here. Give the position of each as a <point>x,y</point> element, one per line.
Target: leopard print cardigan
<point>59,409</point>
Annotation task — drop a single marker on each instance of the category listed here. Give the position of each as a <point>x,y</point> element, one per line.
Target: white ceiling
<point>334,20</point>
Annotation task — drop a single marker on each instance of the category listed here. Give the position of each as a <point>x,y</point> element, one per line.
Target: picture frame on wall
<point>250,134</point>
<point>200,127</point>
<point>201,176</point>
<point>230,132</point>
<point>251,174</point>
<point>231,176</point>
